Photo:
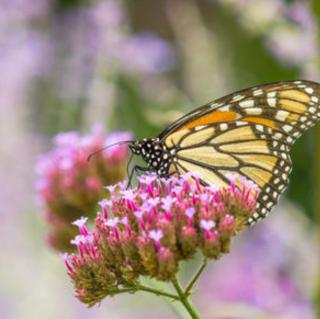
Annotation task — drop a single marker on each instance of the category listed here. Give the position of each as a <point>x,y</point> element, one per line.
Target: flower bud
<point>148,254</point>
<point>188,239</point>
<point>167,264</point>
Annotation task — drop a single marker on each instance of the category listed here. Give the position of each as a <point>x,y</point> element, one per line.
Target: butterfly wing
<point>248,132</point>
<point>289,102</point>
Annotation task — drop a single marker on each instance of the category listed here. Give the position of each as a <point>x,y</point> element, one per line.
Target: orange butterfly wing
<point>248,132</point>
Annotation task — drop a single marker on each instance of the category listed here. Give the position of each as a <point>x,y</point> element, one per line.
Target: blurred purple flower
<point>295,44</point>
<point>97,37</point>
<point>23,10</point>
<point>108,14</point>
<point>289,29</point>
<point>262,271</point>
<point>24,49</point>
<point>76,42</point>
<point>300,12</point>
<point>146,53</point>
<point>292,47</point>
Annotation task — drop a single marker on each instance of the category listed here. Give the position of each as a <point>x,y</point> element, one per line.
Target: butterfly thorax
<point>154,153</point>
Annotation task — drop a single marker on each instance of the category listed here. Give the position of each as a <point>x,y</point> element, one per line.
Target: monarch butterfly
<point>248,132</point>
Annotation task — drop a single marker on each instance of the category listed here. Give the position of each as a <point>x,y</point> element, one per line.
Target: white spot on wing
<point>309,90</point>
<point>281,115</point>
<point>247,103</point>
<point>215,105</point>
<point>254,111</point>
<point>223,126</point>
<point>272,102</point>
<point>255,215</point>
<point>303,118</point>
<point>199,127</point>
<point>269,204</point>
<point>312,109</point>
<point>240,123</point>
<point>225,107</point>
<point>287,128</point>
<point>257,92</point>
<point>272,94</point>
<point>238,98</point>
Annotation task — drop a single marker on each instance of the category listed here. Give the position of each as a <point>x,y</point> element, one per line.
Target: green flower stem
<point>195,277</point>
<point>156,292</point>
<point>182,296</point>
<point>124,290</point>
<point>184,299</point>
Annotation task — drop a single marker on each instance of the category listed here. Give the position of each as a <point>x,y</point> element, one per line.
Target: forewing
<point>248,132</point>
<point>287,107</point>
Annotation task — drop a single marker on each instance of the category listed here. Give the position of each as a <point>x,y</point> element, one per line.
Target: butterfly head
<point>154,153</point>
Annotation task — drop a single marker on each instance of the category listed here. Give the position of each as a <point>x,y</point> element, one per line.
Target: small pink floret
<point>207,224</point>
<point>155,234</point>
<point>80,222</point>
<point>112,222</point>
<point>190,212</point>
<point>104,203</point>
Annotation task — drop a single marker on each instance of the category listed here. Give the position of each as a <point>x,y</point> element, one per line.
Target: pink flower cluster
<point>148,230</point>
<point>69,186</point>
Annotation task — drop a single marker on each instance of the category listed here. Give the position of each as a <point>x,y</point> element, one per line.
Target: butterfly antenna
<point>107,147</point>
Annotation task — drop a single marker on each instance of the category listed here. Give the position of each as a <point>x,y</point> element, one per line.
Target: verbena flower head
<point>69,186</point>
<point>149,229</point>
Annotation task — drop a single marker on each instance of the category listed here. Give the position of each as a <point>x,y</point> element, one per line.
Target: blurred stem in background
<point>204,75</point>
<point>61,5</point>
<point>55,110</point>
<point>316,188</point>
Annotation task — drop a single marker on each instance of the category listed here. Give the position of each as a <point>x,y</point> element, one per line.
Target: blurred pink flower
<point>69,186</point>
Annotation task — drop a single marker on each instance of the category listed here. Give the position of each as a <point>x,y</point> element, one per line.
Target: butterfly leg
<point>136,169</point>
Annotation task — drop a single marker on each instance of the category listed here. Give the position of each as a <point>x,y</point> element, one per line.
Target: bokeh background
<point>138,65</point>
